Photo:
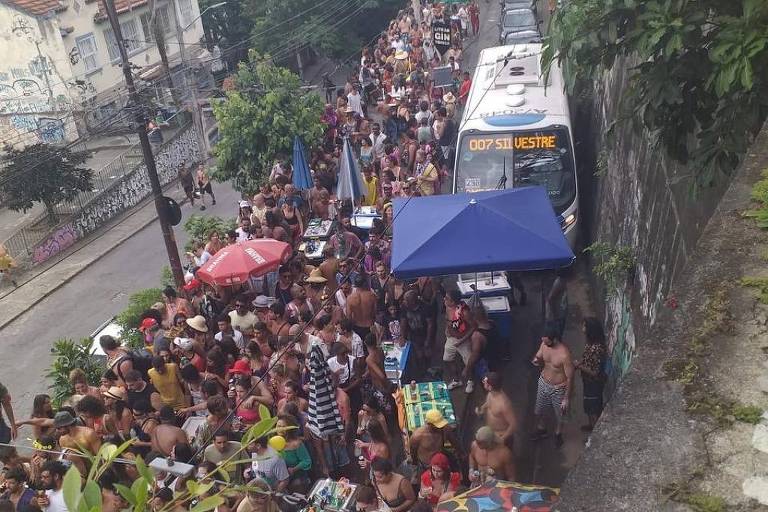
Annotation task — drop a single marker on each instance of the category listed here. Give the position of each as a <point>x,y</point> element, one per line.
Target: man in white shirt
<point>242,319</point>
<point>244,231</point>
<point>225,329</point>
<point>377,140</point>
<point>355,101</point>
<point>52,477</point>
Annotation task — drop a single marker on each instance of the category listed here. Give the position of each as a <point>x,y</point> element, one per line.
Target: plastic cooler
<point>498,311</point>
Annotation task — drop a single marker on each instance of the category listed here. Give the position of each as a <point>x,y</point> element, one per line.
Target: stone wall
<point>642,200</point>
<point>124,194</point>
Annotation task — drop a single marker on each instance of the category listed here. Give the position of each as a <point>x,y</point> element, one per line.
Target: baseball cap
<point>241,367</point>
<point>192,285</point>
<point>435,418</point>
<point>147,323</point>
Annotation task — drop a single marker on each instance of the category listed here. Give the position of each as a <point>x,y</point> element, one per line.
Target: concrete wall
<point>642,200</point>
<point>32,109</point>
<point>121,196</point>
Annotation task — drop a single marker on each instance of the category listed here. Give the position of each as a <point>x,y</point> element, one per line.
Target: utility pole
<point>149,158</point>
<point>44,69</point>
<point>197,119</point>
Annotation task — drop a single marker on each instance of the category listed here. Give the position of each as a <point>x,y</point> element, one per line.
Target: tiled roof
<point>36,7</point>
<point>120,5</point>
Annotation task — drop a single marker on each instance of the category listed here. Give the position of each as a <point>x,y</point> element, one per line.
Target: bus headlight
<point>568,221</point>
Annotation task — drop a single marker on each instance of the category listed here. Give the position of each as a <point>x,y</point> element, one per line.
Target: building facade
<point>37,103</point>
<point>87,92</point>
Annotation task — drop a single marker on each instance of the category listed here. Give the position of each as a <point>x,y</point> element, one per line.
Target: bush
<point>67,356</point>
<point>199,227</point>
<point>138,303</point>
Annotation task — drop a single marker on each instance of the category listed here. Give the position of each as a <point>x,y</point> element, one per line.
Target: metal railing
<point>22,243</point>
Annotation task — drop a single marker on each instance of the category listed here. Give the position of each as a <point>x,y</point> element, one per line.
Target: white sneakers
<point>454,384</point>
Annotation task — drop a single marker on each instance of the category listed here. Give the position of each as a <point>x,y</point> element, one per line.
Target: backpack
<point>141,359</point>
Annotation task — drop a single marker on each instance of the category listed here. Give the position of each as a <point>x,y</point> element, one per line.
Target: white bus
<point>516,131</point>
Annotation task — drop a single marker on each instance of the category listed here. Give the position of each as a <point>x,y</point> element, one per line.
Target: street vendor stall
<point>416,399</point>
<point>315,237</point>
<point>396,360</point>
<point>332,495</point>
<point>500,496</point>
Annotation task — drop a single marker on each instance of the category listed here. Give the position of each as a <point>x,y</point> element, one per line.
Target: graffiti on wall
<point>59,240</point>
<point>621,337</point>
<point>50,130</point>
<point>24,122</point>
<point>135,187</point>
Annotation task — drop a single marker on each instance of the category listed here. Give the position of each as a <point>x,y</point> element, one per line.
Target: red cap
<point>241,367</point>
<point>193,284</point>
<point>440,460</point>
<point>147,323</point>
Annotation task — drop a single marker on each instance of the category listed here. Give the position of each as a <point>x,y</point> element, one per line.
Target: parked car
<point>108,327</point>
<point>518,4</point>
<point>517,20</point>
<point>523,37</point>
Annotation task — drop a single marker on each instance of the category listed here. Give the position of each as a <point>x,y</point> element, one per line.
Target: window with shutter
<point>86,45</point>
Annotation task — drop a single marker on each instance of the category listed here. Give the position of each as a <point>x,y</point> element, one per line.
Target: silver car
<point>517,20</point>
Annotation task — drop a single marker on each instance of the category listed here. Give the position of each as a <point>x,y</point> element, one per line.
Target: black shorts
<point>206,188</point>
<point>593,396</point>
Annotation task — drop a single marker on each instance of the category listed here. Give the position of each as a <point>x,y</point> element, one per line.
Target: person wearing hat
<point>152,331</point>
<point>430,438</point>
<point>450,104</point>
<point>73,437</point>
<point>118,413</point>
<point>197,327</point>
<point>489,458</point>
<point>438,479</point>
<point>167,435</point>
<point>555,382</point>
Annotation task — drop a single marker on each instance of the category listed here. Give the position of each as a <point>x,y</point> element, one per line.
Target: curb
<point>118,243</point>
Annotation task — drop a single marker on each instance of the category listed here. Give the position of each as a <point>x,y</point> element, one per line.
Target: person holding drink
<point>438,479</point>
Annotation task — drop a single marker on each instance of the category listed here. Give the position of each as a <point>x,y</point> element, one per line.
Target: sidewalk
<point>41,281</point>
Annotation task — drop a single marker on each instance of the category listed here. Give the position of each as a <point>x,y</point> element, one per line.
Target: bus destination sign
<point>513,142</point>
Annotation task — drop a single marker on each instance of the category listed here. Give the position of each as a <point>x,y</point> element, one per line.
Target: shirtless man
<point>489,458</point>
<point>166,435</point>
<point>76,439</point>
<point>361,307</point>
<point>555,382</point>
<point>497,409</point>
<point>430,438</point>
<point>276,322</point>
<point>329,267</point>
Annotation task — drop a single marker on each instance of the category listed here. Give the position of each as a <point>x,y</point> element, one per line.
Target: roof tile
<point>36,7</point>
<point>120,5</point>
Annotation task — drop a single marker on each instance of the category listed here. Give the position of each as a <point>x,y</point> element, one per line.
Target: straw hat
<point>449,97</point>
<point>316,277</point>
<point>198,323</point>
<point>116,393</point>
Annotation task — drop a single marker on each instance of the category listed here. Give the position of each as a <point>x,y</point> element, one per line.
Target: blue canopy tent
<point>513,229</point>
<point>302,179</point>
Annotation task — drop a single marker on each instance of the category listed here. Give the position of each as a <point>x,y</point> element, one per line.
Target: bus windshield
<point>526,158</point>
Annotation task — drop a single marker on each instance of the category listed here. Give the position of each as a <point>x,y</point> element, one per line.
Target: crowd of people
<point>229,354</point>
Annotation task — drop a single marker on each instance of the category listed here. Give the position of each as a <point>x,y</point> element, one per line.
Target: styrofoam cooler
<point>498,311</point>
<point>499,286</point>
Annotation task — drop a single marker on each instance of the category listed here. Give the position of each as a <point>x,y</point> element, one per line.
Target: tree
<point>700,82</point>
<point>259,120</point>
<point>41,173</point>
<point>227,27</point>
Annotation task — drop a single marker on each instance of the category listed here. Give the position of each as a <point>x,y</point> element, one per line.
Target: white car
<point>109,327</point>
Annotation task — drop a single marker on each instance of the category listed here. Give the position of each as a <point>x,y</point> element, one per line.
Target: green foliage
<point>166,277</point>
<point>86,497</point>
<point>138,303</point>
<point>612,263</point>
<point>760,283</point>
<point>259,120</point>
<point>67,356</point>
<point>682,492</point>
<point>747,414</point>
<point>760,196</point>
<point>226,26</point>
<point>199,227</point>
<point>700,82</point>
<point>42,173</point>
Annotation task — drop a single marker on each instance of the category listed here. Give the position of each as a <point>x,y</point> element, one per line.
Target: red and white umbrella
<point>235,264</point>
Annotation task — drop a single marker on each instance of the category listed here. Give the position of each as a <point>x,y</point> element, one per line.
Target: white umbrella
<point>351,184</point>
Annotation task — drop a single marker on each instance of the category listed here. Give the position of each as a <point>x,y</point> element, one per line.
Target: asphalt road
<point>79,307</point>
